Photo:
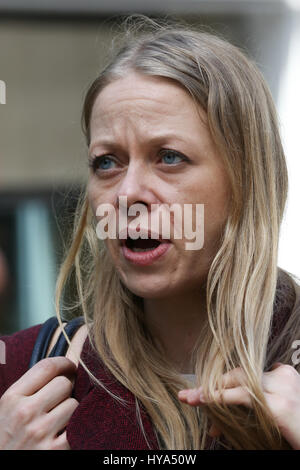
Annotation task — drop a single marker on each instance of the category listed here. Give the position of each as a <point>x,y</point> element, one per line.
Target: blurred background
<point>50,51</point>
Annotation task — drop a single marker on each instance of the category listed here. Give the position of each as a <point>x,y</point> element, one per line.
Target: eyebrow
<point>108,142</point>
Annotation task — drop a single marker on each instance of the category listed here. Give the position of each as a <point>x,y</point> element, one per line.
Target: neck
<point>176,322</point>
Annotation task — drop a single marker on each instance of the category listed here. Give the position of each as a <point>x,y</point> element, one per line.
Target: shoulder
<point>287,298</point>
<point>285,327</point>
<point>17,349</point>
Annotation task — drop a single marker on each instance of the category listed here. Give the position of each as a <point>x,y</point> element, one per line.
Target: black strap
<point>43,340</point>
<point>61,346</point>
<point>44,337</point>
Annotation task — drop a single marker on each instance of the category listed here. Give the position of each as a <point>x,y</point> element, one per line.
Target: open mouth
<point>141,244</point>
<point>144,251</point>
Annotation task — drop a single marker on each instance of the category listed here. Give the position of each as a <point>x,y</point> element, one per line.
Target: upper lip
<point>148,234</point>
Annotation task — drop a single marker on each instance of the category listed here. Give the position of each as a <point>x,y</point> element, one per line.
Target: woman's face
<point>150,143</point>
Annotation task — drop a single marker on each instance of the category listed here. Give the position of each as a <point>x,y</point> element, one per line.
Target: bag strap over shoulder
<point>43,340</point>
<point>45,335</point>
<point>61,346</point>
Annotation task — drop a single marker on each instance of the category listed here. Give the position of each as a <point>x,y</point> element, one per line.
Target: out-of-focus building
<point>50,51</point>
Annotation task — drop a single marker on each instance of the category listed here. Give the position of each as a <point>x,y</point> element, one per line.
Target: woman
<point>180,117</point>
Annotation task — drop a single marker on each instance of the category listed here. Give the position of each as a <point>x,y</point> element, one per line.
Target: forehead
<point>142,97</point>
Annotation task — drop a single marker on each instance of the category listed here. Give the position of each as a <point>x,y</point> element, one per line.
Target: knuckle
<point>48,366</point>
<point>64,383</point>
<point>35,432</point>
<point>8,396</point>
<point>245,397</point>
<point>23,413</point>
<point>73,403</point>
<point>54,365</point>
<point>283,407</point>
<point>287,371</point>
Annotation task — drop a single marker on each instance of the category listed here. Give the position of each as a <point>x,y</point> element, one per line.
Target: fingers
<point>42,373</point>
<point>230,396</point>
<point>59,417</point>
<point>53,393</point>
<point>61,443</point>
<point>36,408</point>
<point>280,379</point>
<point>233,378</point>
<point>281,389</point>
<point>232,382</point>
<point>235,392</point>
<point>193,396</point>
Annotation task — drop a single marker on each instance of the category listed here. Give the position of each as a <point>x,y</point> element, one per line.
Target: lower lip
<point>145,258</point>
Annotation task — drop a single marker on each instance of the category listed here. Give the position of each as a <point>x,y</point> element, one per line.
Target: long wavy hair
<point>243,284</point>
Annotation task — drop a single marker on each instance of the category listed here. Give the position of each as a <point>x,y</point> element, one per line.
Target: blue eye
<point>102,163</point>
<point>105,163</point>
<point>170,157</point>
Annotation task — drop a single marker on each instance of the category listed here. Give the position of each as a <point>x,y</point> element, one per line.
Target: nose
<point>137,186</point>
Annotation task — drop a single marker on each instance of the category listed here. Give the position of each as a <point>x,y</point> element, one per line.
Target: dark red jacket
<point>99,422</point>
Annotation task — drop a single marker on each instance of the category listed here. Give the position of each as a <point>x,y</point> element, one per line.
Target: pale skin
<point>134,121</point>
<point>281,386</point>
<point>140,116</point>
<point>131,113</point>
<point>35,410</point>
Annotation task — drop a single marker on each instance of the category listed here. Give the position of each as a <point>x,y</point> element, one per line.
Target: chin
<point>147,289</point>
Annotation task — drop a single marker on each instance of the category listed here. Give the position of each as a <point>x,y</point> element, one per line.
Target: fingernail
<point>194,393</point>
<point>183,393</point>
<point>201,394</point>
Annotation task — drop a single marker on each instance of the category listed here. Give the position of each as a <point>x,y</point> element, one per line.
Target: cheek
<point>214,193</point>
<point>217,206</point>
<point>96,195</point>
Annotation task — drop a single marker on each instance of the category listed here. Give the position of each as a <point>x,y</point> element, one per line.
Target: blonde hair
<point>242,280</point>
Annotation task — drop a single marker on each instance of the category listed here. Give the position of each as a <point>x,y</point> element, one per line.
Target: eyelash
<point>94,162</point>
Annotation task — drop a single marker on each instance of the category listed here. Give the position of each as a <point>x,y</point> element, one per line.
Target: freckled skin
<point>129,113</point>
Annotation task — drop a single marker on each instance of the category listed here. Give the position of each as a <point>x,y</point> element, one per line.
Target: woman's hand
<point>35,410</point>
<point>281,388</point>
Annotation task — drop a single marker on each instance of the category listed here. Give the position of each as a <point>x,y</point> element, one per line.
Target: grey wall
<point>48,63</point>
